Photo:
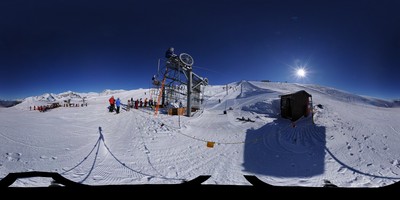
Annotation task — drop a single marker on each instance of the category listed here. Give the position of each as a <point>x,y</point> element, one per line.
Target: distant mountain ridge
<point>70,95</point>
<point>110,92</point>
<point>334,93</point>
<point>9,103</point>
<point>51,97</point>
<point>350,97</point>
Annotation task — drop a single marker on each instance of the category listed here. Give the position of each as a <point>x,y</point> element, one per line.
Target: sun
<point>301,72</point>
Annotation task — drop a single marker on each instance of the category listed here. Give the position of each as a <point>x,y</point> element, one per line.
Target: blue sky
<point>89,46</point>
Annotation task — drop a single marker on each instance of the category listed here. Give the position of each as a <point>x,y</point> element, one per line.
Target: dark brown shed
<point>296,105</point>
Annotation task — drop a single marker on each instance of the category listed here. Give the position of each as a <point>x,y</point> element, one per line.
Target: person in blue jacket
<point>118,104</point>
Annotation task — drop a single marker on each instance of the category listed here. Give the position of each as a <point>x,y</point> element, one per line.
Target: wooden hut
<point>296,105</point>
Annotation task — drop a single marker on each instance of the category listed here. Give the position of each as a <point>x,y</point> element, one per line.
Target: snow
<point>353,143</point>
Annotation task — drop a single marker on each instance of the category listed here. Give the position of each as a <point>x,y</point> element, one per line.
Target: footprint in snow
<point>395,163</point>
<point>13,156</point>
<point>342,170</point>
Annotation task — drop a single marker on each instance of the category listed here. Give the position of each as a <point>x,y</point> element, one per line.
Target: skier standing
<point>112,101</point>
<point>118,104</point>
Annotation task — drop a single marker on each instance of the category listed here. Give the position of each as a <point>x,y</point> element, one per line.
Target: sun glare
<point>301,72</point>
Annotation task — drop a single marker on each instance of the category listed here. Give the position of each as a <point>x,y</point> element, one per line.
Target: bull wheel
<point>186,59</point>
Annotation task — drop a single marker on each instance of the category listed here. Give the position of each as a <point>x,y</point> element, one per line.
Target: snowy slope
<point>353,143</point>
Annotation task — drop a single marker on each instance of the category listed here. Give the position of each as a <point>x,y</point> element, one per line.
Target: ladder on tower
<point>160,93</point>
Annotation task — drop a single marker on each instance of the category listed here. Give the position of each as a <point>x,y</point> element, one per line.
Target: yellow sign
<point>210,144</point>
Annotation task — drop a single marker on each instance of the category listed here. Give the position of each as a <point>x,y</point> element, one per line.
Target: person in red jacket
<point>112,103</point>
<point>136,103</point>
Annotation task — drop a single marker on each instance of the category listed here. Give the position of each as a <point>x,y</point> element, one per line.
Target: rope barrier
<point>101,138</point>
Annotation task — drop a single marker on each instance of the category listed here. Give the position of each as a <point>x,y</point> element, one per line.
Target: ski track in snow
<point>394,130</point>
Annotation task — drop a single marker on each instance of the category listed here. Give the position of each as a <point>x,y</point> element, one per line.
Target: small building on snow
<point>296,105</point>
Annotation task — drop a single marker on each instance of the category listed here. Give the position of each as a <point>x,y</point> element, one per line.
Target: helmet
<point>171,48</point>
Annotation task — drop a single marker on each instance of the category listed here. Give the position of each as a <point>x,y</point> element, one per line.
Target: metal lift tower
<point>178,76</point>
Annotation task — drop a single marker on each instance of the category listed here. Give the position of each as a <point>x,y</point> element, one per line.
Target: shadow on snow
<point>280,150</point>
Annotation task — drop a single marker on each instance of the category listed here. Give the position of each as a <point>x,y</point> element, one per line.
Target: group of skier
<point>116,104</point>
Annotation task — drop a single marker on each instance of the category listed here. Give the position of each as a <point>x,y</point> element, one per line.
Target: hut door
<point>286,108</point>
